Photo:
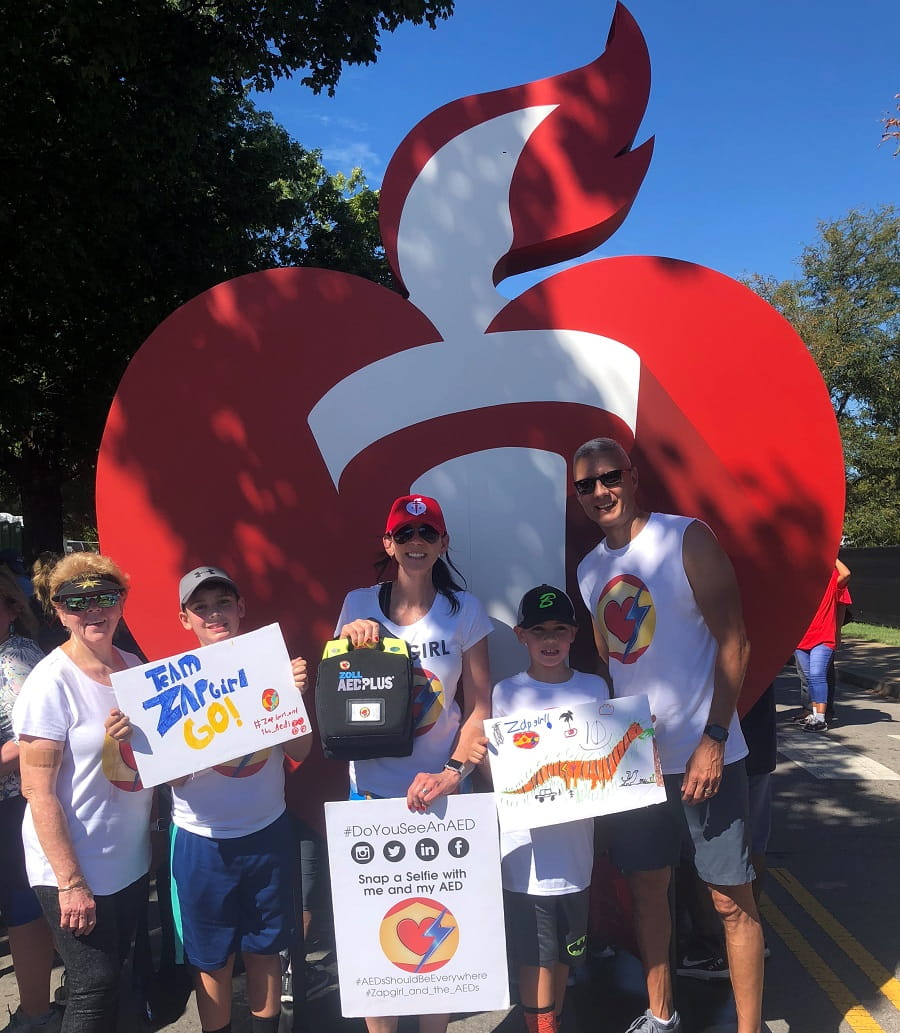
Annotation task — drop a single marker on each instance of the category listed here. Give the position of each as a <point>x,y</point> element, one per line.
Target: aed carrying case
<point>364,700</point>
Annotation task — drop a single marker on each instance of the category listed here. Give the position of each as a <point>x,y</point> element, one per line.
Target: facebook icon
<point>458,847</point>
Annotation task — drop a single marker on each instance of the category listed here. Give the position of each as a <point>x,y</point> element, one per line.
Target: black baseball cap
<point>545,603</point>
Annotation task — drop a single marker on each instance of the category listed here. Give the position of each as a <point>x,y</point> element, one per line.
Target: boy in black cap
<point>546,871</point>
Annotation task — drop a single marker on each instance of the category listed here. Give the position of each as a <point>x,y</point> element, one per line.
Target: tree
<point>136,175</point>
<point>846,307</point>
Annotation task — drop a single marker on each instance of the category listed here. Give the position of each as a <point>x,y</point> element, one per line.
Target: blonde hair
<point>51,577</point>
<point>24,622</point>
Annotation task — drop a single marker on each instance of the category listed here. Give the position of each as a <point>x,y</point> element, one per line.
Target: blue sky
<point>766,114</point>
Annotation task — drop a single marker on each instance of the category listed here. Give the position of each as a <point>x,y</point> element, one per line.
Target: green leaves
<point>137,174</point>
<point>846,307</point>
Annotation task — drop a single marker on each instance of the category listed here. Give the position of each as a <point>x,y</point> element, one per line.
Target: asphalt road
<point>831,909</point>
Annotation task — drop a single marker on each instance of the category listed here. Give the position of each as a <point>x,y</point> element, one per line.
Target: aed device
<point>364,700</point>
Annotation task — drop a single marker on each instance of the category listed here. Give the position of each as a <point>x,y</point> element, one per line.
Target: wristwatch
<point>457,766</point>
<point>717,733</point>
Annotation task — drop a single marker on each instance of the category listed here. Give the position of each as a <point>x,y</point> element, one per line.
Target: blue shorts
<point>18,902</point>
<point>233,894</point>
<point>715,832</point>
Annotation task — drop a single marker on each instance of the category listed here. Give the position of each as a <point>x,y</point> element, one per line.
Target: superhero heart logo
<point>267,425</point>
<point>419,935</point>
<point>626,617</point>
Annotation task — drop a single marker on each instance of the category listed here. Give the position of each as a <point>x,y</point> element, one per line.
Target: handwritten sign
<point>419,919</point>
<point>563,763</point>
<point>211,705</point>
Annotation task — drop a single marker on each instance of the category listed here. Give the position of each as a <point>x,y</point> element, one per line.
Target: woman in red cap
<point>446,629</point>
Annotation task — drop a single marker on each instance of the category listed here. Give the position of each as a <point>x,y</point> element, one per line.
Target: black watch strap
<point>716,732</point>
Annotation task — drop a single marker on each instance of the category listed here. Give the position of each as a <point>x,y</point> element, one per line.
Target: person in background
<point>30,939</point>
<point>815,651</point>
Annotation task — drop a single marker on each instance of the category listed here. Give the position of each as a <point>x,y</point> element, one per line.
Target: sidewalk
<point>870,665</point>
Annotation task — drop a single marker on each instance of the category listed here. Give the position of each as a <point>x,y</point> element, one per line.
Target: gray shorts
<point>544,931</point>
<point>716,833</point>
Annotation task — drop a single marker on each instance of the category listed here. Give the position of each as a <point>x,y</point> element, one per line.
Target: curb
<point>886,689</point>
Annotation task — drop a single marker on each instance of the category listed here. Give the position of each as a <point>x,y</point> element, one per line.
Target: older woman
<point>446,629</point>
<point>86,829</point>
<point>30,942</point>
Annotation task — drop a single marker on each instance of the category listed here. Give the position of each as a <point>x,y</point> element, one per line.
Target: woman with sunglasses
<point>446,629</point>
<point>86,829</point>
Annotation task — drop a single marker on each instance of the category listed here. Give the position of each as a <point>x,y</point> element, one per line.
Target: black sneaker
<point>318,980</point>
<point>812,725</point>
<point>704,968</point>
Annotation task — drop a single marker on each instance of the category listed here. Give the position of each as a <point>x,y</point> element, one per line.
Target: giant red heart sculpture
<point>267,425</point>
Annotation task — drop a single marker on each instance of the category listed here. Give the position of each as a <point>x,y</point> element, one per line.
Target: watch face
<point>717,733</point>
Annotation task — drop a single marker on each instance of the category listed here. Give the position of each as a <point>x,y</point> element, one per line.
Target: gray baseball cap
<point>203,576</point>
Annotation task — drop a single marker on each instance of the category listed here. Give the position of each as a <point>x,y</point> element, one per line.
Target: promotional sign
<point>562,763</point>
<point>419,919</point>
<point>211,705</point>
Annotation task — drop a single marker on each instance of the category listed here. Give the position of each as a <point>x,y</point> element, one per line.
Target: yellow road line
<point>854,1014</point>
<point>880,976</point>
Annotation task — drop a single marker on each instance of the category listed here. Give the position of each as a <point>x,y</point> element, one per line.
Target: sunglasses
<point>77,603</point>
<point>405,534</point>
<point>610,479</point>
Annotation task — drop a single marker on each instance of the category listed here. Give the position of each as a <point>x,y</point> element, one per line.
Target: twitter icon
<point>394,850</point>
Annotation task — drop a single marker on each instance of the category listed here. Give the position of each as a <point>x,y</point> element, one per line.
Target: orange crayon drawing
<point>596,771</point>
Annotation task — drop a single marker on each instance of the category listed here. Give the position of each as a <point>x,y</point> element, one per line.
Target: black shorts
<point>544,931</point>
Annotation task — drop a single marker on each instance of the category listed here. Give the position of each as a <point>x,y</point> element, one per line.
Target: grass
<point>872,633</point>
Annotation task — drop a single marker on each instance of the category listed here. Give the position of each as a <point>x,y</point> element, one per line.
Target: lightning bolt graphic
<point>438,934</point>
<point>637,614</point>
<point>423,699</point>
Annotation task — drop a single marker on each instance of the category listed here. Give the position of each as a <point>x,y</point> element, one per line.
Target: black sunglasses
<point>77,603</point>
<point>405,534</point>
<point>610,479</point>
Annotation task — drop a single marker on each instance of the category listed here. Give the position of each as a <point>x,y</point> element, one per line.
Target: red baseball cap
<point>415,509</point>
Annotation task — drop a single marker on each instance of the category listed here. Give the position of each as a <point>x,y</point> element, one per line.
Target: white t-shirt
<point>658,641</point>
<point>233,799</point>
<point>437,642</point>
<point>104,803</point>
<point>547,862</point>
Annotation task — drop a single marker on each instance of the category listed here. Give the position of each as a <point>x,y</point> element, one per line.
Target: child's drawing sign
<point>563,763</point>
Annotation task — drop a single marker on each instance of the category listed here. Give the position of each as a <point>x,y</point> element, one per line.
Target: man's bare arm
<point>715,589</point>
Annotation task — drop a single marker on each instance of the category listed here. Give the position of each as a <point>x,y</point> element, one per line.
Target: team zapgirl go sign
<point>307,400</point>
<point>211,705</point>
